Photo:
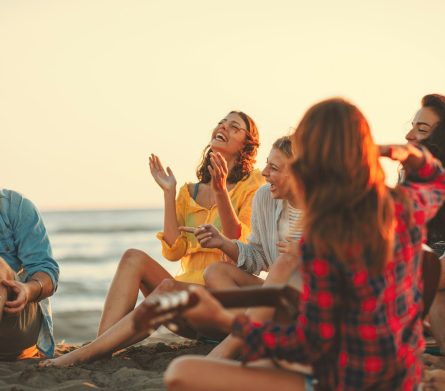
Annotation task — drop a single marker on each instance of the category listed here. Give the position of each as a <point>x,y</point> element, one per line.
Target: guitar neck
<point>264,296</point>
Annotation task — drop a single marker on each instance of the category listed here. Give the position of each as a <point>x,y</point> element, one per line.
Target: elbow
<point>235,232</point>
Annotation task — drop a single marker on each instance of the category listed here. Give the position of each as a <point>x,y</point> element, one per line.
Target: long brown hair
<point>246,159</point>
<point>348,208</point>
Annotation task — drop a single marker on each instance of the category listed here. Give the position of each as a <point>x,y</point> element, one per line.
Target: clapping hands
<point>165,179</point>
<point>218,172</point>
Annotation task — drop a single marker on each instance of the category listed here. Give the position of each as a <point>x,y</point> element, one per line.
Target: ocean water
<point>88,246</point>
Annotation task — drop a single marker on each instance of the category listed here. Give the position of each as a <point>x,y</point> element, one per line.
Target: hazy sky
<point>89,88</point>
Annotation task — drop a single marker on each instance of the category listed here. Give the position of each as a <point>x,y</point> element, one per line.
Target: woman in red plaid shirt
<point>359,322</point>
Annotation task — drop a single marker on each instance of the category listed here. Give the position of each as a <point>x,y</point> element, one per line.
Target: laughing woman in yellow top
<point>222,197</point>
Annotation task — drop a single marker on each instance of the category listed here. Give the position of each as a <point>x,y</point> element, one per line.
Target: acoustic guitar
<point>162,309</point>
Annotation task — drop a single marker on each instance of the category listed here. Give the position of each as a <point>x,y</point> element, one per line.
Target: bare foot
<point>434,380</point>
<point>65,360</point>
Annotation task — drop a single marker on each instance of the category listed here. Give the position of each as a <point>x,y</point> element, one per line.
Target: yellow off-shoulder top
<point>194,258</point>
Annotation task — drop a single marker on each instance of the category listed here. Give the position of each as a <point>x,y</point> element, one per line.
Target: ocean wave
<point>86,259</point>
<point>107,229</point>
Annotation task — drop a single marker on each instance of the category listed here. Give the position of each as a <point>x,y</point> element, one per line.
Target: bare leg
<point>221,275</point>
<point>136,270</point>
<point>279,273</point>
<point>118,336</point>
<point>437,318</point>
<point>193,373</point>
<point>437,310</point>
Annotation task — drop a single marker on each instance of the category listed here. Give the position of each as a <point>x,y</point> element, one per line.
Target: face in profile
<point>277,172</point>
<point>423,125</point>
<point>229,136</point>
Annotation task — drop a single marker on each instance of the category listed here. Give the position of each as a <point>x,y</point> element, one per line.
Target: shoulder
<point>254,180</point>
<point>12,199</point>
<point>263,200</point>
<point>16,206</point>
<point>263,194</point>
<point>184,193</point>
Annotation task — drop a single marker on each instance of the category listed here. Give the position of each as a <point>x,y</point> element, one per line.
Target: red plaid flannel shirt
<point>360,332</point>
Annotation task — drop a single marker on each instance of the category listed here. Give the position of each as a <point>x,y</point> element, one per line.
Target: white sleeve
<point>251,256</point>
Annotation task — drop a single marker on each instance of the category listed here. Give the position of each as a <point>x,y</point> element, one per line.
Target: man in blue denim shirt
<point>28,276</point>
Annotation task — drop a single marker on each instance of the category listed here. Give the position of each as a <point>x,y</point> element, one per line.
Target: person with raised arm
<point>276,226</point>
<point>428,129</point>
<point>360,314</point>
<point>223,195</point>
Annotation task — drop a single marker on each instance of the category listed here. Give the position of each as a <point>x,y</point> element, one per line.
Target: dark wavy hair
<point>435,142</point>
<point>246,158</point>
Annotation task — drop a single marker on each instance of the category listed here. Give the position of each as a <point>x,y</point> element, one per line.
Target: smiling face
<point>229,136</point>
<point>277,172</point>
<point>423,124</point>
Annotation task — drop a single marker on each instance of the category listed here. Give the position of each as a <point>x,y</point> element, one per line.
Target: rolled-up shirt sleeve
<point>31,239</point>
<point>179,248</point>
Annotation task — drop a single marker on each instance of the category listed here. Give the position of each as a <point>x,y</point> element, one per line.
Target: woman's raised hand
<point>166,180</point>
<point>409,155</point>
<point>218,172</point>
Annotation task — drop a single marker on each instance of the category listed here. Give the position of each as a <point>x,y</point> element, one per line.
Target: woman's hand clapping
<point>166,180</point>
<point>219,172</point>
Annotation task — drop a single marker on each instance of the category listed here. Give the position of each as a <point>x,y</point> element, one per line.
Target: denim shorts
<point>309,383</point>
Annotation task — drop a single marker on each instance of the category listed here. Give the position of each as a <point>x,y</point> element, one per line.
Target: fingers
<point>18,304</point>
<point>190,230</point>
<point>283,247</point>
<point>218,167</point>
<point>155,163</point>
<point>203,237</point>
<point>169,172</point>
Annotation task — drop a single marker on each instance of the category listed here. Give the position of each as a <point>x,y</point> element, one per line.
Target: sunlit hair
<point>246,159</point>
<point>435,142</point>
<point>284,145</point>
<point>349,213</point>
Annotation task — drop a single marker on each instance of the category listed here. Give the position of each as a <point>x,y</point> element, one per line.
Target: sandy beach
<point>136,368</point>
<point>139,367</point>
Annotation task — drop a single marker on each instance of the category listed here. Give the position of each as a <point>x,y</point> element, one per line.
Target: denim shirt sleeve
<point>31,239</point>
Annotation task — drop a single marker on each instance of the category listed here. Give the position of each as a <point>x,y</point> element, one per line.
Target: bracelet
<point>41,287</point>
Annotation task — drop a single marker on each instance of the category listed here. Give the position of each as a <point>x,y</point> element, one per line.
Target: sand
<point>136,368</point>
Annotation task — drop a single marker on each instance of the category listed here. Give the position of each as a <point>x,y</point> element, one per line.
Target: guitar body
<point>165,308</point>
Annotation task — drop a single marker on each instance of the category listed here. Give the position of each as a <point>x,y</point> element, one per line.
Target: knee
<point>177,373</point>
<point>214,273</point>
<point>134,258</point>
<point>166,285</point>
